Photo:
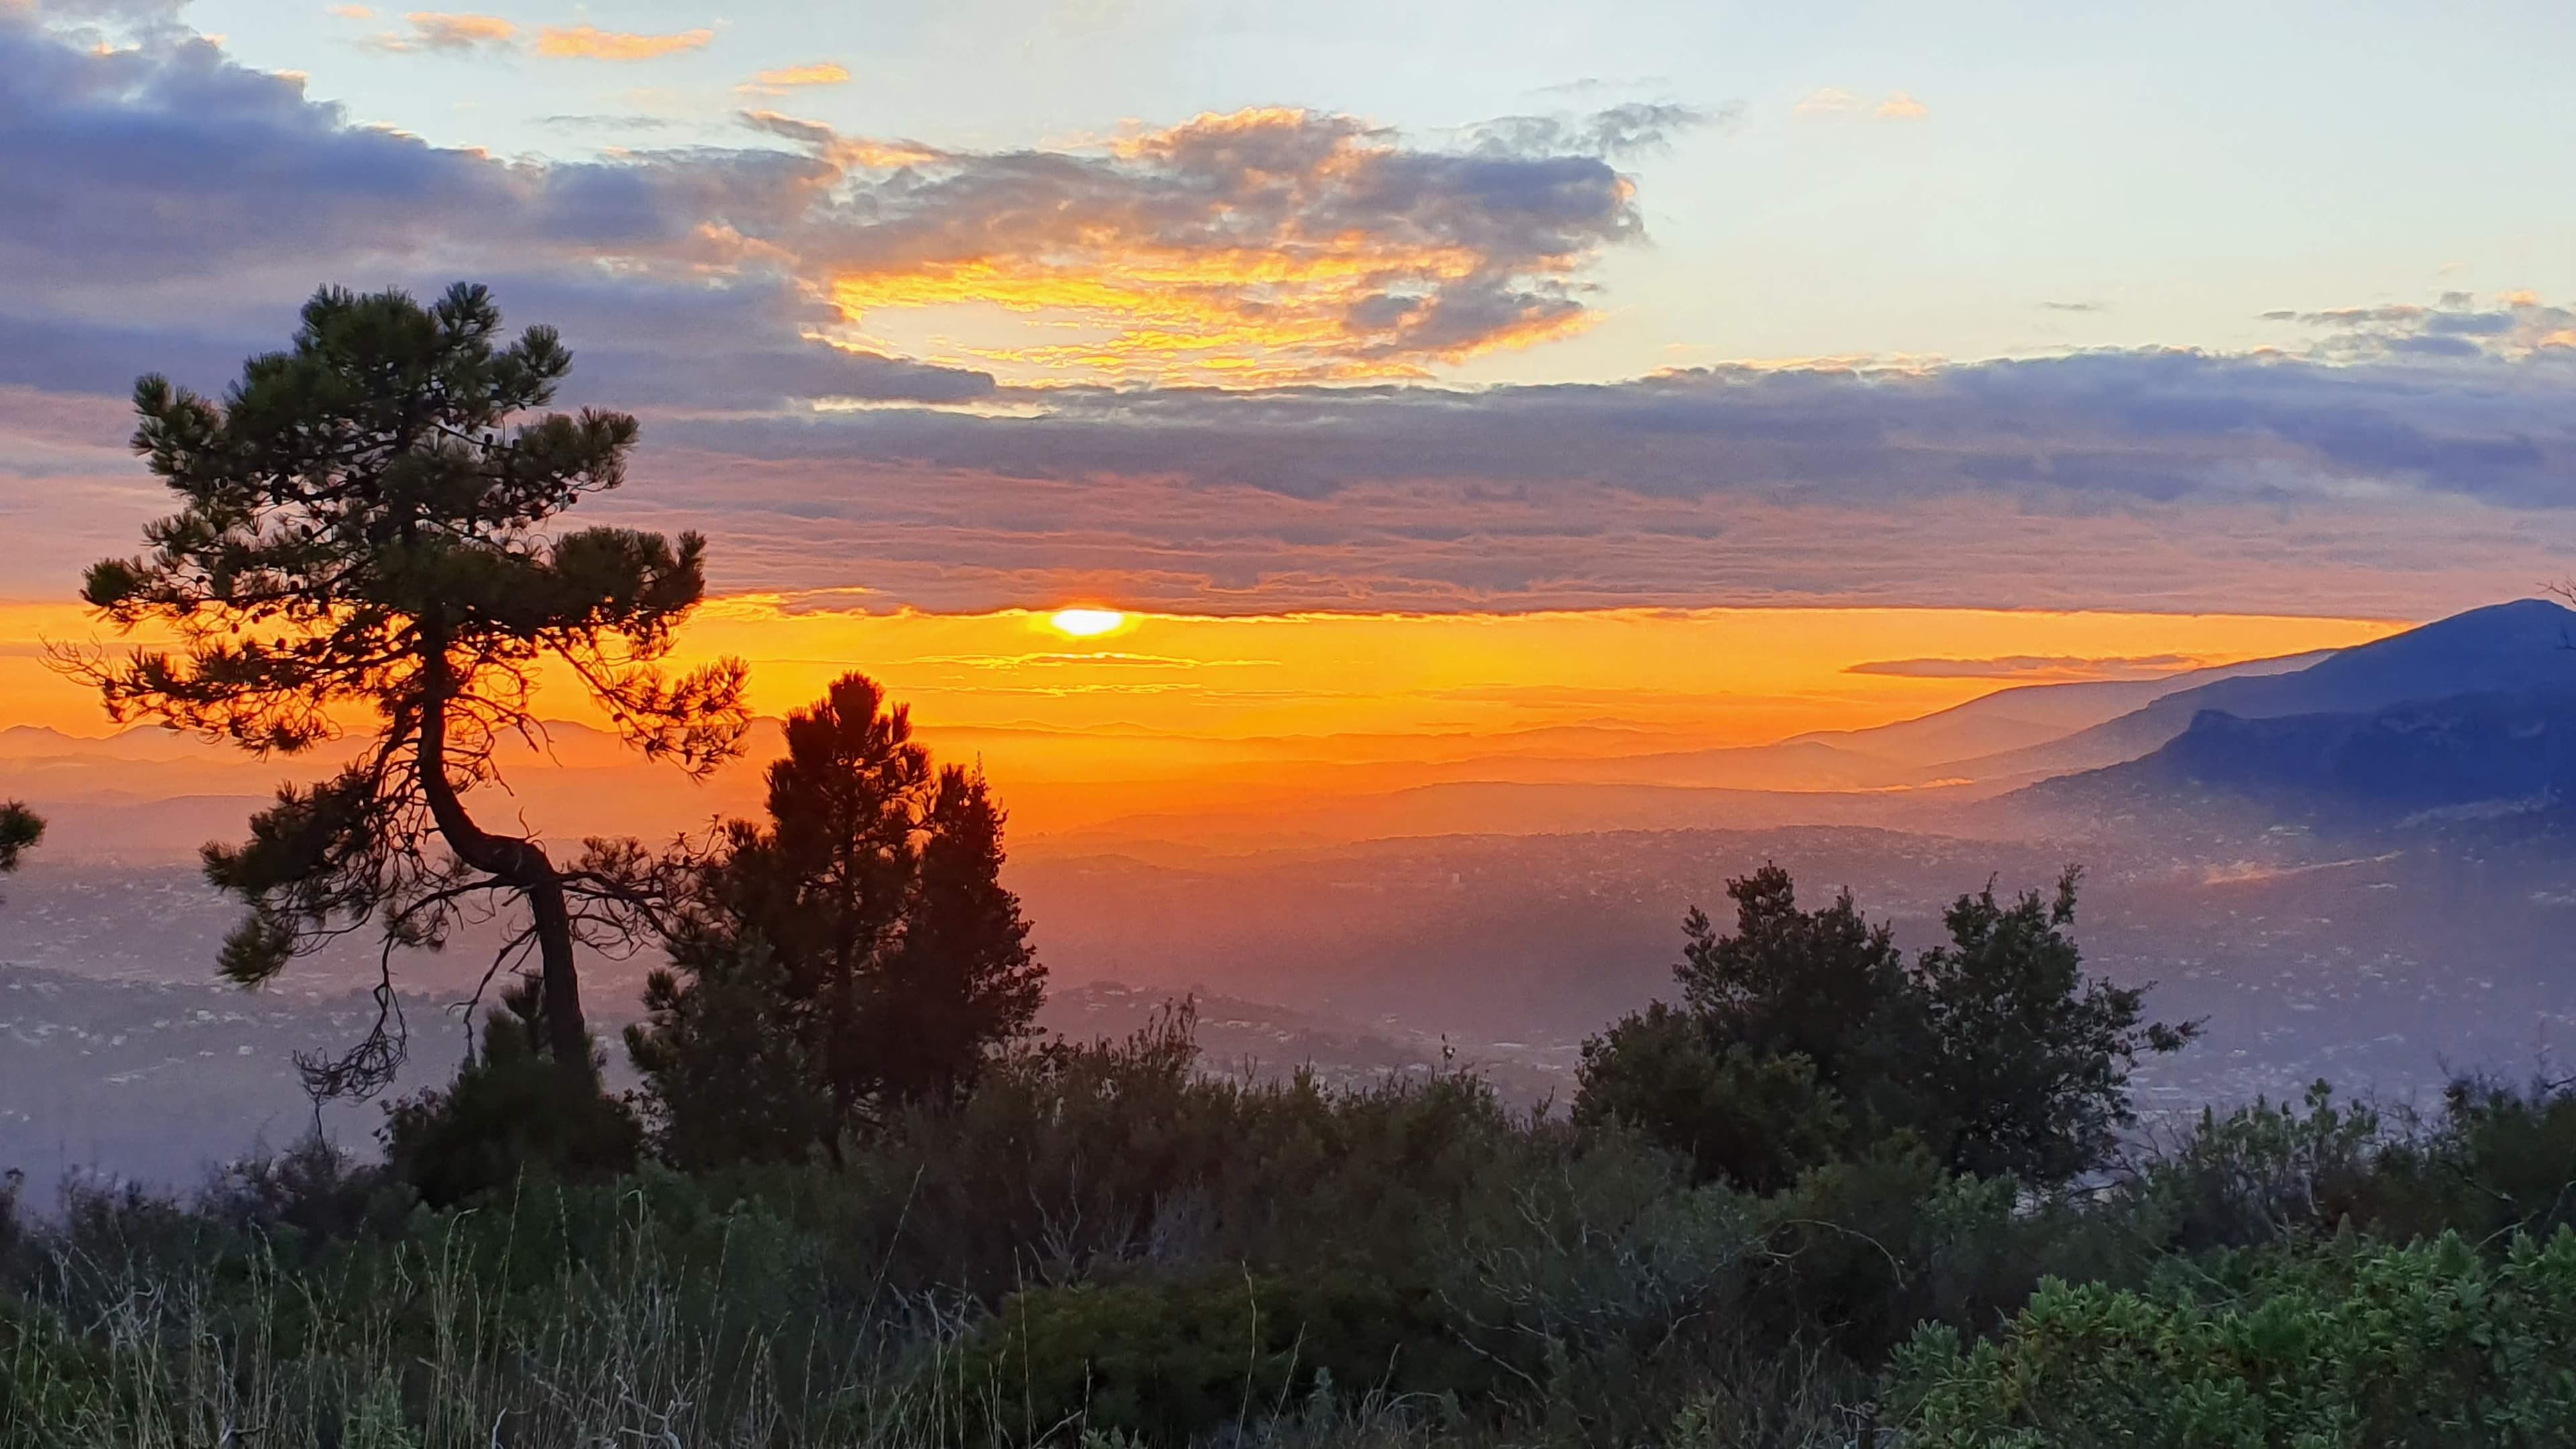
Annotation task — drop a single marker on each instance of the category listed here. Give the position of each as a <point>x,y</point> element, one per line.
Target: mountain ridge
<point>2525,643</point>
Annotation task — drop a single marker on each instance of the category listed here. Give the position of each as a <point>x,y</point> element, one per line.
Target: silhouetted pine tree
<point>855,954</point>
<point>367,530</point>
<point>963,976</point>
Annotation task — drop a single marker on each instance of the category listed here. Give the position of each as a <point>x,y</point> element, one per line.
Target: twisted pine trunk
<point>519,861</point>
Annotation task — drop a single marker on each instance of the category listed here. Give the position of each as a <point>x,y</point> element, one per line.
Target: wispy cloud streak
<point>589,42</point>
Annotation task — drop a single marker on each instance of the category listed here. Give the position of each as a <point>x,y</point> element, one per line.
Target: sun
<point>1086,623</point>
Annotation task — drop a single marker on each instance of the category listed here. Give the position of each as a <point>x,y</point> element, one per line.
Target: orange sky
<point>1708,676</point>
<point>1166,727</point>
<point>1717,676</point>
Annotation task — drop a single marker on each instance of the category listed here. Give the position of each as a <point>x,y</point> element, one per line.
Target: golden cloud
<point>589,42</point>
<point>1832,101</point>
<point>437,30</point>
<point>785,78</point>
<point>1252,248</point>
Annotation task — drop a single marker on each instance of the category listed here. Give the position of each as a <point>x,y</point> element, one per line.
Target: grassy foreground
<point>1107,1247</point>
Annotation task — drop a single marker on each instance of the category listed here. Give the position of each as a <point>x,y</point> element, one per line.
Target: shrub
<point>1735,1116</point>
<point>2260,1172</point>
<point>1170,1360</point>
<point>307,1196</point>
<point>2365,1345</point>
<point>513,1109</point>
<point>2495,1159</point>
<point>1102,1244</point>
<point>1068,1161</point>
<point>2501,1158</point>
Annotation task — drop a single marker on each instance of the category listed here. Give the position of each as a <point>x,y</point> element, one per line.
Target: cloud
<point>82,21</point>
<point>1827,102</point>
<point>1628,129</point>
<point>455,34</point>
<point>853,152</point>
<point>1258,246</point>
<point>589,42</point>
<point>2095,430</point>
<point>610,121</point>
<point>139,173</point>
<point>2075,306</point>
<point>440,33</point>
<point>142,174</point>
<point>2113,479</point>
<point>638,344</point>
<point>353,12</point>
<point>2127,480</point>
<point>2457,326</point>
<point>2032,666</point>
<point>786,78</point>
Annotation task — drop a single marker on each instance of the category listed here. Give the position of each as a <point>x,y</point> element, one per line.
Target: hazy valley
<point>2330,912</point>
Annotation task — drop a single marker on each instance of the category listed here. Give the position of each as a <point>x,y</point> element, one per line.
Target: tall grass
<point>436,1354</point>
<point>667,1311</point>
<point>422,1344</point>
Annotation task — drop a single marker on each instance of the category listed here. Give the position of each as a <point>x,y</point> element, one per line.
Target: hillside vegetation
<point>1102,1244</point>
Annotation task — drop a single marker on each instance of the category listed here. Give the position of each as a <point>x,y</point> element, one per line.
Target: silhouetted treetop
<point>855,954</point>
<point>1787,980</point>
<point>20,829</point>
<point>1806,1034</point>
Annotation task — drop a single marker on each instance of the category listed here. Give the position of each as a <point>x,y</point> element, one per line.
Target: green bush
<point>2261,1172</point>
<point>1858,1254</point>
<point>2361,1345</point>
<point>2495,1159</point>
<point>1169,1360</point>
<point>1734,1115</point>
<point>2501,1159</point>
<point>48,1374</point>
<point>1072,1161</point>
<point>1805,1034</point>
<point>514,1109</point>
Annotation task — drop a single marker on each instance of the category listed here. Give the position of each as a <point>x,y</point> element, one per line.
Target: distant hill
<point>2529,644</point>
<point>2465,757</point>
<point>2031,714</point>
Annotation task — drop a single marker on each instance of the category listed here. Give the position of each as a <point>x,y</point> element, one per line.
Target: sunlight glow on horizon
<point>1086,623</point>
<point>1219,713</point>
<point>1696,677</point>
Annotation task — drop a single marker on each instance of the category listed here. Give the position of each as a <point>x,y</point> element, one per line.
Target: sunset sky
<point>1717,371</point>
